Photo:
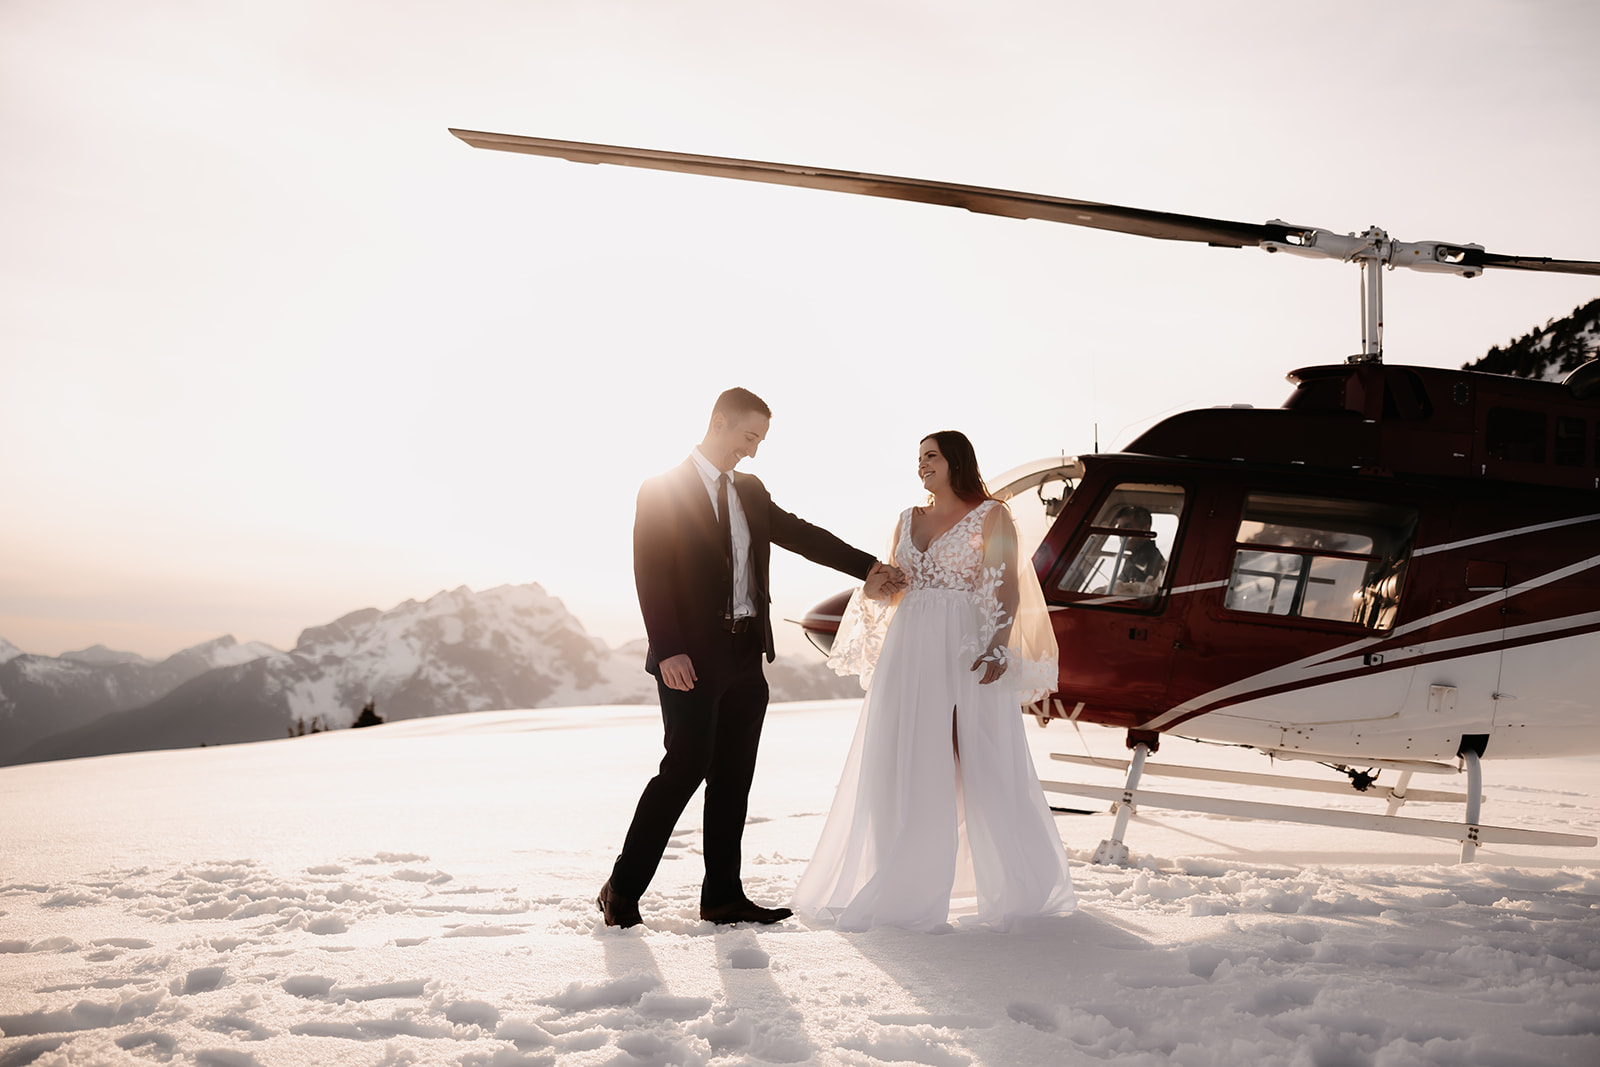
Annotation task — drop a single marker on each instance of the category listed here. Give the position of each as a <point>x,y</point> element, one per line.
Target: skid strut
<point>1112,851</point>
<point>1469,843</point>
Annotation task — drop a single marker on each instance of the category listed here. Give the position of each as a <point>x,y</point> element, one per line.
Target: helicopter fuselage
<point>1399,563</point>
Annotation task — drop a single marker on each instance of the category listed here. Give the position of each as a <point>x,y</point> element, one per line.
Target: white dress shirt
<point>742,604</point>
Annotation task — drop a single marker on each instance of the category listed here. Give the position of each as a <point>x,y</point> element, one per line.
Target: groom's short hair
<point>736,401</point>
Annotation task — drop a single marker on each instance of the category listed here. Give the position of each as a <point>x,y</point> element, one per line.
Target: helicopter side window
<point>1124,560</point>
<point>1310,558</point>
<point>1570,444</point>
<point>1512,433</point>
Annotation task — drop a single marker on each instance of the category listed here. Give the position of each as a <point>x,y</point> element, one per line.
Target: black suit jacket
<point>682,572</point>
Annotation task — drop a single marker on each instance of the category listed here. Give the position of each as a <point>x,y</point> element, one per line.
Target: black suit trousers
<point>711,734</point>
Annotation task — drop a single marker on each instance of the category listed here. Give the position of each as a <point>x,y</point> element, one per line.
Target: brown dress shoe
<point>619,911</point>
<point>742,911</point>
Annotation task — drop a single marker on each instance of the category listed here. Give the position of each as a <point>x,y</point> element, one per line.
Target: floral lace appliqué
<point>953,561</point>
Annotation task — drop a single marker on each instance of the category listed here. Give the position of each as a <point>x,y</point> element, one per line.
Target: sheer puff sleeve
<point>861,628</point>
<point>1017,630</point>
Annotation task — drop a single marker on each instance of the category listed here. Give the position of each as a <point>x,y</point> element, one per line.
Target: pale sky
<point>274,346</point>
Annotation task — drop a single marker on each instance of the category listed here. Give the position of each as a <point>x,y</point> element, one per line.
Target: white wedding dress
<point>914,827</point>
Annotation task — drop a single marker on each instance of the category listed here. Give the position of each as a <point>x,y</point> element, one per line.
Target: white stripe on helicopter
<point>1503,533</point>
<point>1329,662</point>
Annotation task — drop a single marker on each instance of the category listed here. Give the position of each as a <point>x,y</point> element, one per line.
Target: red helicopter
<point>1397,569</point>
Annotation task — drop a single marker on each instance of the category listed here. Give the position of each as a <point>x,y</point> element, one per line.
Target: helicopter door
<point>1340,561</point>
<point>1118,652</point>
<point>1313,584</point>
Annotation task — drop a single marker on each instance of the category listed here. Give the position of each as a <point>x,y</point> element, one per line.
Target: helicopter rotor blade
<point>1275,235</point>
<point>1139,221</point>
<point>1556,266</point>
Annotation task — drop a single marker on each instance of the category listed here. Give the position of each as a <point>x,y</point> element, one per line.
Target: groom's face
<point>732,439</point>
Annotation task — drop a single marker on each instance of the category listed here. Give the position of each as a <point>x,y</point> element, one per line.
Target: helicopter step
<point>1469,832</point>
<point>1275,781</point>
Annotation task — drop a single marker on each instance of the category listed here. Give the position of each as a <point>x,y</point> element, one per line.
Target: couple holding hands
<point>939,801</point>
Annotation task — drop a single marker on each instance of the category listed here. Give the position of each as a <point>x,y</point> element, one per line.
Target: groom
<point>702,540</point>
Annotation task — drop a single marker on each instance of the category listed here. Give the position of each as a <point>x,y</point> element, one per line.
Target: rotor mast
<point>1372,300</point>
<point>1374,250</point>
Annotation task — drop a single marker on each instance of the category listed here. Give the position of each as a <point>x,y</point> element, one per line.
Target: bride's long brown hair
<point>965,481</point>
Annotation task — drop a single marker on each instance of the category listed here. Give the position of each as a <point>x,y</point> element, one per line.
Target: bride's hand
<point>993,668</point>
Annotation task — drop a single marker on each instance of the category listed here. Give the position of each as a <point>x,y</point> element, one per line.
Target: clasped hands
<point>884,581</point>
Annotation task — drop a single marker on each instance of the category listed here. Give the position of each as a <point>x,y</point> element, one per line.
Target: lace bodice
<point>953,560</point>
<point>977,556</point>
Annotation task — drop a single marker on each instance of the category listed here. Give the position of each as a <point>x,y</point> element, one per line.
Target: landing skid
<point>1470,832</point>
<point>1278,781</point>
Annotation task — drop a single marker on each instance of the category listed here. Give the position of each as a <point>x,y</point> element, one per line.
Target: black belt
<point>739,625</point>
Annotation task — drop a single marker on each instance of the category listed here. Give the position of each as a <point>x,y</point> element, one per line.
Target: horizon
<point>289,647</point>
<point>785,648</point>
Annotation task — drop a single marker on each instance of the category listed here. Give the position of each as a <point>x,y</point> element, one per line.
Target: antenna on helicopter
<point>1373,249</point>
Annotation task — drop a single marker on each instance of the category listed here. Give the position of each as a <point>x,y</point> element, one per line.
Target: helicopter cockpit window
<point>1304,557</point>
<point>1124,560</point>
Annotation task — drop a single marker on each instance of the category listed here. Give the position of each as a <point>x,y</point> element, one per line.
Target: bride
<point>939,802</point>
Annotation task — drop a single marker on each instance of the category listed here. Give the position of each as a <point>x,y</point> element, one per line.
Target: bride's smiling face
<point>932,467</point>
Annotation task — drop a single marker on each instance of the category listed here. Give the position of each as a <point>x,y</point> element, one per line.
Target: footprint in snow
<point>749,959</point>
<point>1037,1016</point>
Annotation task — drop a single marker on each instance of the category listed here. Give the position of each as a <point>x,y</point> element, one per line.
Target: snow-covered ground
<point>421,893</point>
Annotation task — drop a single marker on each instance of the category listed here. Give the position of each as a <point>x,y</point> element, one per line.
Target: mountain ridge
<point>43,695</point>
<point>1549,352</point>
<point>457,651</point>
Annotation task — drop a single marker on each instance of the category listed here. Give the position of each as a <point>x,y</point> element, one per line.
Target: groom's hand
<point>873,587</point>
<point>678,672</point>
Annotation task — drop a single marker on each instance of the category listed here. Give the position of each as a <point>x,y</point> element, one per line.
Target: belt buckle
<point>738,625</point>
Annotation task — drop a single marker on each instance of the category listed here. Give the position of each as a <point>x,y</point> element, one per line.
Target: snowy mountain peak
<point>226,651</point>
<point>459,650</point>
<point>45,695</point>
<point>339,629</point>
<point>100,654</point>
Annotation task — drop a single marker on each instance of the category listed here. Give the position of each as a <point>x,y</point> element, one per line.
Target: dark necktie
<point>726,522</point>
